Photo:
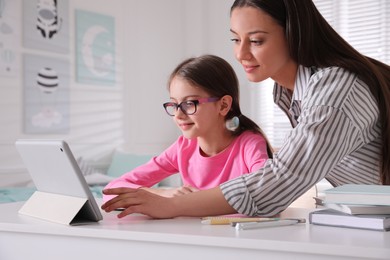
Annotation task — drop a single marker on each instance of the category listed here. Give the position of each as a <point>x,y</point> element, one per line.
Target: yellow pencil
<point>230,220</point>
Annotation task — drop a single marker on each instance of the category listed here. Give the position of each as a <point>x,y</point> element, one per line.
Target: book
<point>359,194</point>
<point>354,209</point>
<point>330,217</point>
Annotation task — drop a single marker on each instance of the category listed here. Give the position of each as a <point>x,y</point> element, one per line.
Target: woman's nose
<point>242,52</point>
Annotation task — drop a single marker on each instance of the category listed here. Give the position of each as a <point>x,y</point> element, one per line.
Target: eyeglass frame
<point>196,102</point>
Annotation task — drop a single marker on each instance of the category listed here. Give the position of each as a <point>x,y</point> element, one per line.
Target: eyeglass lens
<point>187,107</point>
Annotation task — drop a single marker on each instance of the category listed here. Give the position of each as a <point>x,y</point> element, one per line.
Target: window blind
<point>364,24</point>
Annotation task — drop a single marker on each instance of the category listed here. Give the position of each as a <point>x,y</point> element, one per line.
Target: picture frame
<point>46,25</point>
<point>46,95</point>
<point>95,48</point>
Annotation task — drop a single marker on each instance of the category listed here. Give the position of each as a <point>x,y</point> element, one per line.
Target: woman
<point>337,100</point>
<point>218,143</point>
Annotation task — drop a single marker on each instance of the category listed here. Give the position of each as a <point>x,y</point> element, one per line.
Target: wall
<point>152,37</point>
<point>95,114</point>
<point>167,32</point>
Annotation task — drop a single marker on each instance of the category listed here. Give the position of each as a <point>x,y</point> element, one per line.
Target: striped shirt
<point>336,135</point>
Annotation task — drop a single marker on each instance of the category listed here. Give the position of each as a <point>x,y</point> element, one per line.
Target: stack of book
<point>355,206</point>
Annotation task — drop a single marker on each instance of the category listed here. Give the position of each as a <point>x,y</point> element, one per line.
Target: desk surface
<point>303,240</point>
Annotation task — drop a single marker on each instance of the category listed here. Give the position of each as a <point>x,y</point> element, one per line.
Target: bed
<point>122,162</point>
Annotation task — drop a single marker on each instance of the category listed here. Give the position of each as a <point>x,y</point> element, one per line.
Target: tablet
<point>54,169</point>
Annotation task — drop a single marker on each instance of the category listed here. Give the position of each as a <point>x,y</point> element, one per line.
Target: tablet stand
<point>55,208</point>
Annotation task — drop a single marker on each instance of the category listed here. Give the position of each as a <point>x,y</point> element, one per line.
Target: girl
<point>218,142</point>
<point>338,102</point>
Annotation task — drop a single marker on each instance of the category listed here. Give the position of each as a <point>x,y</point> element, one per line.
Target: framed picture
<point>46,25</point>
<point>9,38</point>
<point>95,48</point>
<point>46,95</point>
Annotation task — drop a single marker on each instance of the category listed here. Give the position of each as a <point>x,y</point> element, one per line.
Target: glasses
<point>188,107</point>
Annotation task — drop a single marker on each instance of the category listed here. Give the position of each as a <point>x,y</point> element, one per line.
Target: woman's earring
<point>232,124</point>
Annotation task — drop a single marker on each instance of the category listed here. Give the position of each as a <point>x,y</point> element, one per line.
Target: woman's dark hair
<point>313,42</point>
<point>217,77</point>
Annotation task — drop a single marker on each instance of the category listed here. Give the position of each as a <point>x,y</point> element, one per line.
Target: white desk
<point>139,237</point>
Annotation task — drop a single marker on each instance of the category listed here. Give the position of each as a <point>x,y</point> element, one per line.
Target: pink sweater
<point>247,153</point>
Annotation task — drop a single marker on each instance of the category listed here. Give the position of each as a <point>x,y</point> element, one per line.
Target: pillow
<point>123,162</point>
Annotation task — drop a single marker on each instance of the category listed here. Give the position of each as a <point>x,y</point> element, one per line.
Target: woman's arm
<point>171,192</point>
<point>198,204</point>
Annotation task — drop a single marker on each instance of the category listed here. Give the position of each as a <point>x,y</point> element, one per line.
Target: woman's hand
<point>196,204</point>
<point>171,192</point>
<point>138,201</point>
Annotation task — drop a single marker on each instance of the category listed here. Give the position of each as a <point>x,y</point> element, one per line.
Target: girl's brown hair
<point>217,77</point>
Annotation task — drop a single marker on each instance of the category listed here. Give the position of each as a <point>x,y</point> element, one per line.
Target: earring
<point>232,124</point>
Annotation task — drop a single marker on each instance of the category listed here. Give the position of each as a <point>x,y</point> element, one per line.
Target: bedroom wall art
<point>46,25</point>
<point>95,48</point>
<point>46,95</point>
<point>9,38</point>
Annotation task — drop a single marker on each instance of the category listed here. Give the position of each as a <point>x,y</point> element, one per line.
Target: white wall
<point>165,33</point>
<point>152,37</point>
<point>96,112</point>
